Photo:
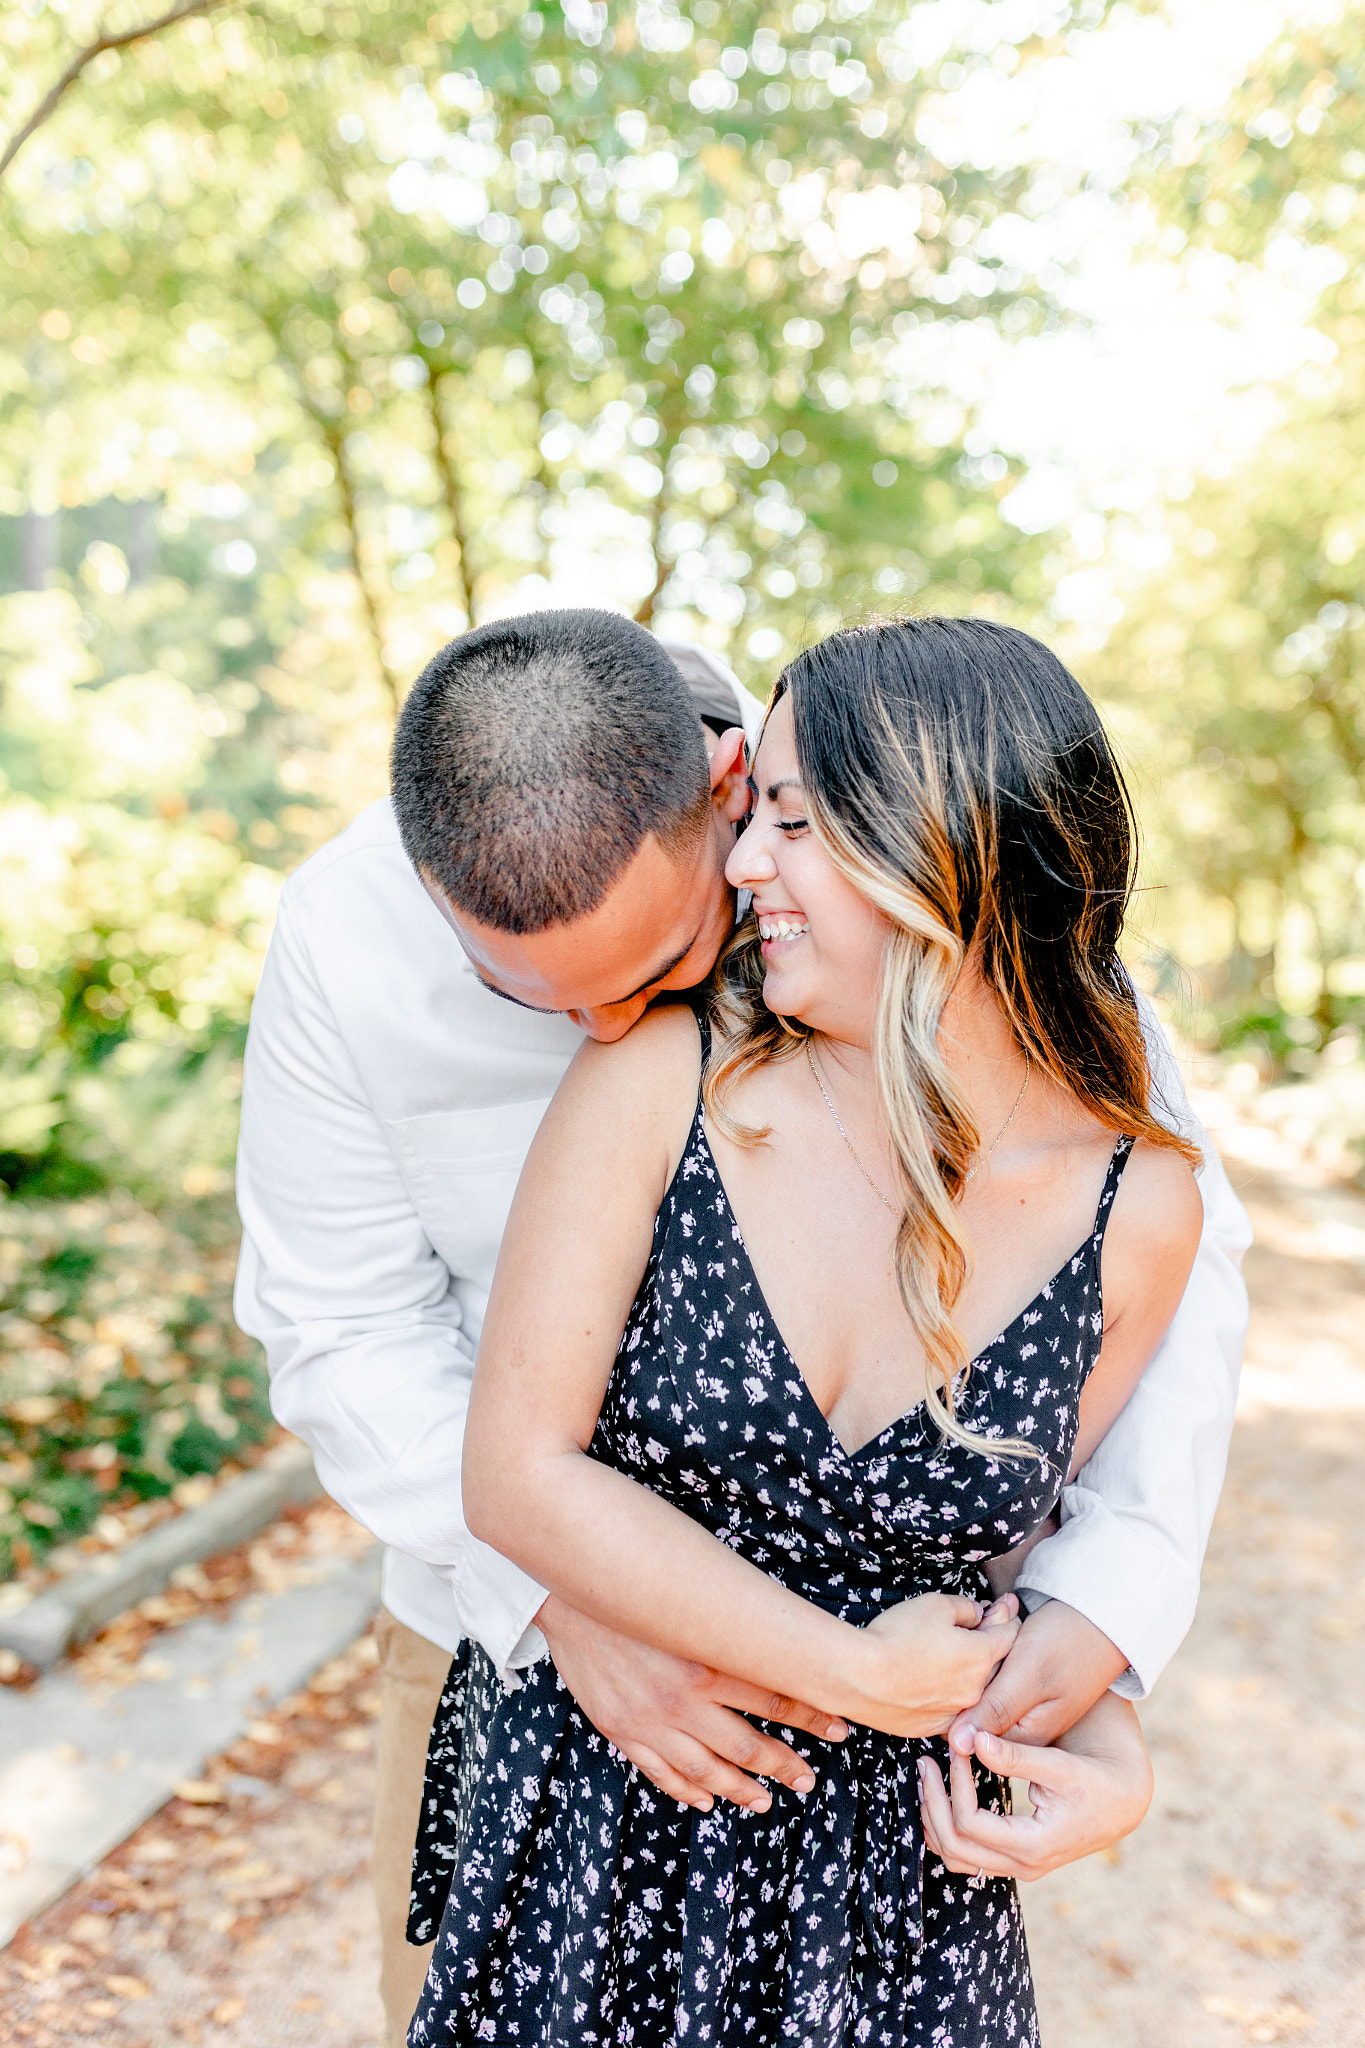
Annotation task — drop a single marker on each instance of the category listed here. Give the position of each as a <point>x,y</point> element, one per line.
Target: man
<point>553,860</point>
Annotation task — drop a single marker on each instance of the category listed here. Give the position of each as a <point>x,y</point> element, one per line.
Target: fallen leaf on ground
<point>159,1851</point>
<point>256,1891</point>
<point>199,1791</point>
<point>1256,1905</point>
<point>91,1927</point>
<point>1260,2023</point>
<point>231,2009</point>
<point>128,1987</point>
<point>1279,1947</point>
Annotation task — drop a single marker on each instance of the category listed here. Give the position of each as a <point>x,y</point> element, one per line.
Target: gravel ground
<point>1237,1914</point>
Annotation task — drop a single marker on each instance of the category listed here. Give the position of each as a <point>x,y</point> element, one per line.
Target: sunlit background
<point>324,330</point>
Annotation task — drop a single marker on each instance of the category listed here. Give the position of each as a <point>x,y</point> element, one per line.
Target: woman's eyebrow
<point>783,782</point>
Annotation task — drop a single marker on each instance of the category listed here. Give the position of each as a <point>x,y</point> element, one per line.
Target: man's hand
<point>679,1723</point>
<point>1059,1666</point>
<point>1087,1793</point>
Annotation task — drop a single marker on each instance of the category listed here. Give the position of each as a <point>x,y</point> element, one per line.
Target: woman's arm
<point>577,1242</point>
<point>1149,1248</point>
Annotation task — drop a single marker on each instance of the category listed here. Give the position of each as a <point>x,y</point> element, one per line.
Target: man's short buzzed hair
<point>534,757</point>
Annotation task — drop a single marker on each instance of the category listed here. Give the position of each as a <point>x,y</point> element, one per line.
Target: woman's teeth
<point>780,928</point>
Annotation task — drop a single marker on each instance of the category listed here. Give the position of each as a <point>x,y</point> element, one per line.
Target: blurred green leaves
<point>1241,663</point>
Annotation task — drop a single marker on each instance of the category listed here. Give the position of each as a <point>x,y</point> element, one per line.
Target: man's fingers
<point>1050,1767</point>
<point>997,1712</point>
<point>735,1741</point>
<point>717,1760</point>
<point>776,1706</point>
<point>708,1776</point>
<point>670,1782</point>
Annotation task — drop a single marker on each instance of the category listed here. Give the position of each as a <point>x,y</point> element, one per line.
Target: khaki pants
<point>412,1672</point>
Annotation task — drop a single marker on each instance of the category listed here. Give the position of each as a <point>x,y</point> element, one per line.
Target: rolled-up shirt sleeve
<point>362,1330</point>
<point>1136,1519</point>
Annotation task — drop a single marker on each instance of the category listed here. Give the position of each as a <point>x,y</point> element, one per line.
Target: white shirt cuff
<point>496,1604</point>
<point>1112,1571</point>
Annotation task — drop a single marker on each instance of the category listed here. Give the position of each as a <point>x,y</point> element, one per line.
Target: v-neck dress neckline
<point>919,1412</point>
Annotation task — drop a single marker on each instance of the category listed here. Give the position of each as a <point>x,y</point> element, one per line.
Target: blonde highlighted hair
<point>959,777</point>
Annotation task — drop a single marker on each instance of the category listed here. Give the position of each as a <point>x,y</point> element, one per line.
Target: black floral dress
<point>573,1905</point>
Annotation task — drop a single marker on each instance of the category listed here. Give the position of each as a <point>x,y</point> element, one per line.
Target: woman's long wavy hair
<point>960,779</point>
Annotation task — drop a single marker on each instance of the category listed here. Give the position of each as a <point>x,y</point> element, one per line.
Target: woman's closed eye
<point>791,826</point>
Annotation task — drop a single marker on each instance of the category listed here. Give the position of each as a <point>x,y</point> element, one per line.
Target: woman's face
<point>822,942</point>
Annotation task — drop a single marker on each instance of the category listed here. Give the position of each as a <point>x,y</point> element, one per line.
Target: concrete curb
<point>81,1766</point>
<point>67,1613</point>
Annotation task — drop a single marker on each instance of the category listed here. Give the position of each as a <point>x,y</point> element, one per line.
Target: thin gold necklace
<point>1028,1069</point>
<point>810,1055</point>
<point>838,1125</point>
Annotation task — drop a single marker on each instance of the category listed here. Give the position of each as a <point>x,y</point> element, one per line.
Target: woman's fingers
<point>962,1795</point>
<point>961,1853</point>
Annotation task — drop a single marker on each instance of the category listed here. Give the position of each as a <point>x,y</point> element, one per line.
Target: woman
<point>794,1447</point>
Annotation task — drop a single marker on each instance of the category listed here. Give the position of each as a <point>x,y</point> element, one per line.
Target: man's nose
<point>606,1026</point>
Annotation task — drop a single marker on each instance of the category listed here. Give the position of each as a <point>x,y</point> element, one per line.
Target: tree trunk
<point>335,435</point>
<point>452,490</point>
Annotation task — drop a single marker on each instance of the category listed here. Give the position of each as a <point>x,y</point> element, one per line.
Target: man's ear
<point>730,775</point>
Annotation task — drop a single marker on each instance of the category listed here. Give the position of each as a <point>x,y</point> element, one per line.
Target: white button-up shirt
<point>389,1103</point>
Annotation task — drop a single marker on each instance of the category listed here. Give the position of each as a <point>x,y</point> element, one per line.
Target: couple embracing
<point>854,1386</point>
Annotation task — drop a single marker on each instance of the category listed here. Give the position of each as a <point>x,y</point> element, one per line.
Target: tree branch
<point>334,433</point>
<point>117,40</point>
<point>644,615</point>
<point>452,490</point>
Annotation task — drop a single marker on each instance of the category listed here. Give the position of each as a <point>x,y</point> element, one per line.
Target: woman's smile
<point>779,929</point>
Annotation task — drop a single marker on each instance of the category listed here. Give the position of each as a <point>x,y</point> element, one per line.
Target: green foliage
<point>120,1373</point>
<point>324,331</point>
<point>1239,668</point>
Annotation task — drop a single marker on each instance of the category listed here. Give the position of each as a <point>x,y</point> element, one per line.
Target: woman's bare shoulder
<point>1158,1212</point>
<point>664,1047</point>
<point>639,1093</point>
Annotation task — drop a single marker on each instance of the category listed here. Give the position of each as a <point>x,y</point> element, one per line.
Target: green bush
<point>121,1373</point>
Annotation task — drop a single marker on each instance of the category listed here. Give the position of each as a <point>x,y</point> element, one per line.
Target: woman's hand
<point>929,1658</point>
<point>1088,1792</point>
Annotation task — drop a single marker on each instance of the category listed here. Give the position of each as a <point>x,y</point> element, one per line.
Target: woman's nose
<point>750,859</point>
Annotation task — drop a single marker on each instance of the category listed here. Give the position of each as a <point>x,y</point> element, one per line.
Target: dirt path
<point>1236,1915</point>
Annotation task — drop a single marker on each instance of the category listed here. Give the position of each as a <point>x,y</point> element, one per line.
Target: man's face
<point>660,926</point>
